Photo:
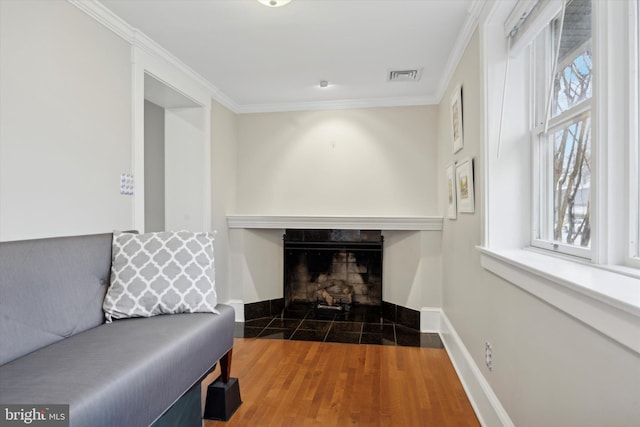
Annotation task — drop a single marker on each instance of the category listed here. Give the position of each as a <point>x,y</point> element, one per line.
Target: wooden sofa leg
<point>225,366</point>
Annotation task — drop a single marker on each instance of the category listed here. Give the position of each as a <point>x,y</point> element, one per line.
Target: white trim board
<point>484,401</point>
<point>170,74</point>
<point>475,10</point>
<point>607,301</point>
<point>137,38</point>
<point>238,306</point>
<point>110,20</point>
<point>430,319</point>
<point>340,104</point>
<point>335,222</point>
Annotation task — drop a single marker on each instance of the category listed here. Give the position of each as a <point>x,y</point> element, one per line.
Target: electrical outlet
<point>488,355</point>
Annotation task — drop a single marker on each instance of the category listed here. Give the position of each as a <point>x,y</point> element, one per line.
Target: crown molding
<point>340,104</point>
<point>470,25</point>
<point>106,17</point>
<point>137,38</point>
<point>427,223</point>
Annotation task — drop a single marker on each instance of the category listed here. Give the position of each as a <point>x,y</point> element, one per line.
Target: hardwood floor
<point>301,383</point>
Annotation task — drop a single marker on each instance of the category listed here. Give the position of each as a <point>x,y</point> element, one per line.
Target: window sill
<point>605,300</point>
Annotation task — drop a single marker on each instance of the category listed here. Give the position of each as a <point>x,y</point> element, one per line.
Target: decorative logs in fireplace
<point>333,269</point>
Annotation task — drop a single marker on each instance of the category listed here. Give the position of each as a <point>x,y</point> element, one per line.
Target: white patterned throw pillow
<point>160,273</point>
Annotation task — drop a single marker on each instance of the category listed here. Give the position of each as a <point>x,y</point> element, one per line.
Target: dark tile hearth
<point>360,326</point>
<point>262,309</point>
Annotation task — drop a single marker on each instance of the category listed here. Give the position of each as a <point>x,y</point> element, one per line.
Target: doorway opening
<point>174,171</point>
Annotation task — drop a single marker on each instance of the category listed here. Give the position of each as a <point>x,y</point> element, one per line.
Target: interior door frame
<point>144,63</point>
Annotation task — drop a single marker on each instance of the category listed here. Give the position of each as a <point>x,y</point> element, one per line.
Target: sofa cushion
<point>124,373</point>
<point>50,289</point>
<point>160,273</point>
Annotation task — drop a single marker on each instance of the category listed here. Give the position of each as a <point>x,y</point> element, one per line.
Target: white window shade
<point>527,19</point>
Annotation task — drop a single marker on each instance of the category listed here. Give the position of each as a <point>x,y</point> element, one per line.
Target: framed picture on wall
<point>452,210</point>
<point>456,119</point>
<point>464,186</point>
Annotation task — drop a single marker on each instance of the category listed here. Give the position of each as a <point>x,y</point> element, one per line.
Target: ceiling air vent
<point>404,75</point>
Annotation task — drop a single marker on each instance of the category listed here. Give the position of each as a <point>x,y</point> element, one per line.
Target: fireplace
<point>333,270</point>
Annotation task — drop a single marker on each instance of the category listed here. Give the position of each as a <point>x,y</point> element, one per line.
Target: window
<point>584,133</point>
<point>578,121</point>
<point>562,132</point>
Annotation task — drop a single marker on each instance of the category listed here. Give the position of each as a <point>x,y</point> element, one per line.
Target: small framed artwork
<point>456,119</point>
<point>464,186</point>
<point>452,210</point>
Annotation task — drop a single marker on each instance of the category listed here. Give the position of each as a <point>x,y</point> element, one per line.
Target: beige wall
<point>65,137</point>
<point>154,191</point>
<point>361,162</point>
<point>256,265</point>
<point>411,270</point>
<point>223,189</point>
<point>65,115</point>
<point>464,300</point>
<point>548,368</point>
<point>376,161</point>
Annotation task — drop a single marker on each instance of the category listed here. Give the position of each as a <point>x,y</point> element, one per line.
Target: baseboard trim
<point>488,408</point>
<point>238,306</point>
<point>430,319</point>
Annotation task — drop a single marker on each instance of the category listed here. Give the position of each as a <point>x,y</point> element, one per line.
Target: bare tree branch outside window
<point>571,139</point>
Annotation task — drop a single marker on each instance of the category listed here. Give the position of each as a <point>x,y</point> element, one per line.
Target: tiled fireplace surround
<point>390,312</point>
<point>258,315</point>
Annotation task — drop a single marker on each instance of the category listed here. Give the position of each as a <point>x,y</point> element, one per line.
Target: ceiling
<point>273,59</point>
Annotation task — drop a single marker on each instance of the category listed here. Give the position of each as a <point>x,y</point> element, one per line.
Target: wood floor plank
<point>300,383</point>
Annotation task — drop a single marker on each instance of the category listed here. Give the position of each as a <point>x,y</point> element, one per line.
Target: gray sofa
<point>55,347</point>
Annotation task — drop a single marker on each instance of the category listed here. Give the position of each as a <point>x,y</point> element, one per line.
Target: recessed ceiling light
<point>274,3</point>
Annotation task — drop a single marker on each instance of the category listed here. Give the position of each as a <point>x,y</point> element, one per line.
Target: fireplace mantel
<point>422,223</point>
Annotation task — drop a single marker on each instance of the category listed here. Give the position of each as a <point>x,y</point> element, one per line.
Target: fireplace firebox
<point>333,270</point>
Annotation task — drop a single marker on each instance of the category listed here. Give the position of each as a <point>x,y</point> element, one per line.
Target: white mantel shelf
<point>422,223</point>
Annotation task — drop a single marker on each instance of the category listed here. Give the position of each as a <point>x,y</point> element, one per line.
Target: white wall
<point>65,122</point>
<point>548,368</point>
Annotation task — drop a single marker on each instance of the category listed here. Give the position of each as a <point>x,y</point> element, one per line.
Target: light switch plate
<point>126,184</point>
